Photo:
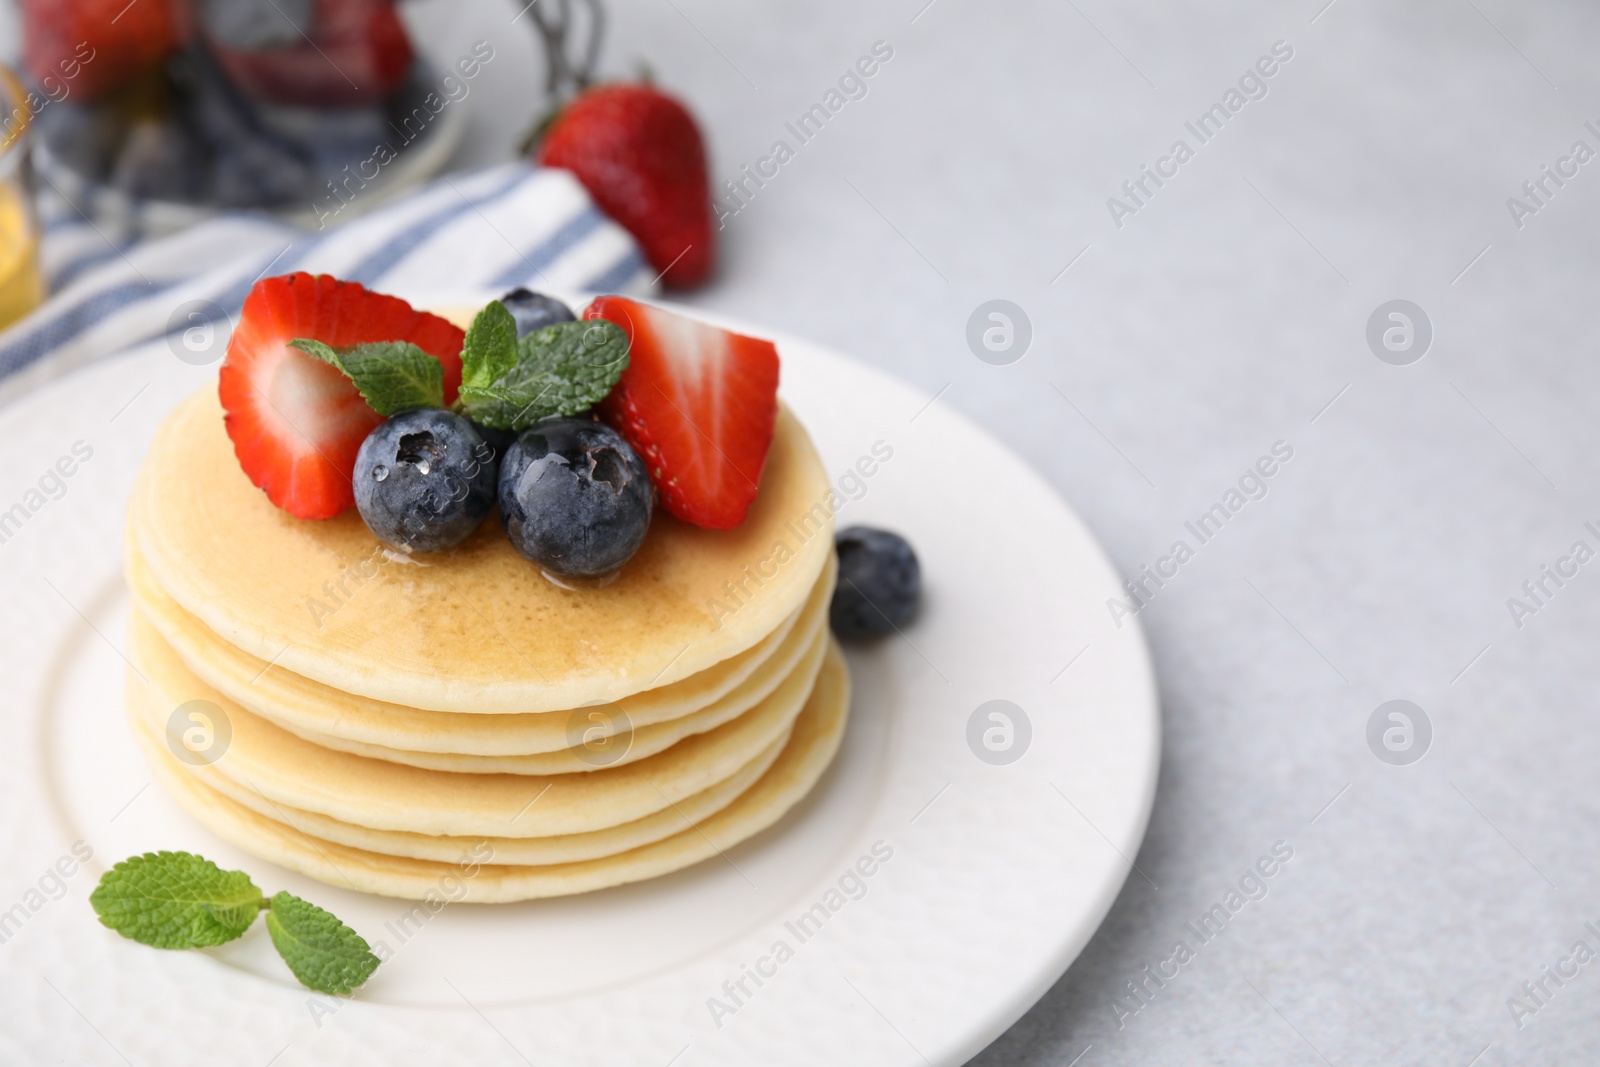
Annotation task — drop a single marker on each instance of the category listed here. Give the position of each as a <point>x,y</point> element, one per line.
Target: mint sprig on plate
<point>176,900</point>
<point>180,900</point>
<point>507,383</point>
<point>323,952</point>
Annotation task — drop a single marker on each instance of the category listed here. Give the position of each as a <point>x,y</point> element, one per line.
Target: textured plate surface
<point>985,881</point>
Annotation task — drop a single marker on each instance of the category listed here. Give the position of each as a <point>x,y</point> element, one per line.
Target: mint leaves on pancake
<point>561,369</point>
<point>490,348</point>
<point>390,375</point>
<point>507,383</point>
<point>180,900</point>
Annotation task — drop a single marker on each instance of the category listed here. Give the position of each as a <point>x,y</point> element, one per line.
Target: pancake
<point>810,748</point>
<point>803,656</point>
<point>360,724</point>
<point>803,662</point>
<point>478,629</point>
<point>566,848</point>
<point>291,771</point>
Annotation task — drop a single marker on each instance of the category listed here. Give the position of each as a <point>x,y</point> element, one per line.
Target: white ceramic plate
<point>987,877</point>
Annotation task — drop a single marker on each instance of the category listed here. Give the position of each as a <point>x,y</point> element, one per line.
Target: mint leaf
<point>390,375</point>
<point>560,370</point>
<point>176,900</point>
<point>491,346</point>
<point>325,352</point>
<point>323,952</point>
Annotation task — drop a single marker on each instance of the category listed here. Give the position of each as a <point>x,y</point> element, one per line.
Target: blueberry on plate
<point>424,480</point>
<point>880,583</point>
<point>574,497</point>
<point>534,311</point>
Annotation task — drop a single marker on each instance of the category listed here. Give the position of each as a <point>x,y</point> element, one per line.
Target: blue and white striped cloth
<point>489,230</point>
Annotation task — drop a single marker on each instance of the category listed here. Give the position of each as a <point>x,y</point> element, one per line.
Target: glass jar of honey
<point>21,284</point>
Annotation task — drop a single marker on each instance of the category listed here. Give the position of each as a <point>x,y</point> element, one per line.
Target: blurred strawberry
<point>95,46</point>
<point>310,53</point>
<point>640,155</point>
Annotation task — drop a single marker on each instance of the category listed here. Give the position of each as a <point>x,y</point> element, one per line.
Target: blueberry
<point>880,583</point>
<point>574,497</point>
<point>535,311</point>
<point>424,480</point>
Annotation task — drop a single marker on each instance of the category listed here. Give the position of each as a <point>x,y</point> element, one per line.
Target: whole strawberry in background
<point>99,45</point>
<point>639,153</point>
<point>636,149</point>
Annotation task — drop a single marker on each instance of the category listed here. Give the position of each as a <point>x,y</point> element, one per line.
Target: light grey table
<point>1226,313</point>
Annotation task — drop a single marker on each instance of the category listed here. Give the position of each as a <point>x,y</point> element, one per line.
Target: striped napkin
<point>489,230</point>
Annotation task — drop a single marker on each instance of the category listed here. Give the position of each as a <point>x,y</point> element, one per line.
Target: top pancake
<point>477,629</point>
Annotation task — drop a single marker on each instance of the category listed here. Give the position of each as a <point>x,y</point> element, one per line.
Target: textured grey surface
<point>1222,317</point>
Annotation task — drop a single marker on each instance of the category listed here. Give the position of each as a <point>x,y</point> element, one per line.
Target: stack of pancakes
<point>400,725</point>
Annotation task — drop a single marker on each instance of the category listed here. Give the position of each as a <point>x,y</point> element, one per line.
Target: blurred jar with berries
<point>21,285</point>
<point>176,109</point>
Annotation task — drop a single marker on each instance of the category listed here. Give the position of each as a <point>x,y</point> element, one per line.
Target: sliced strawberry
<point>297,422</point>
<point>698,404</point>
